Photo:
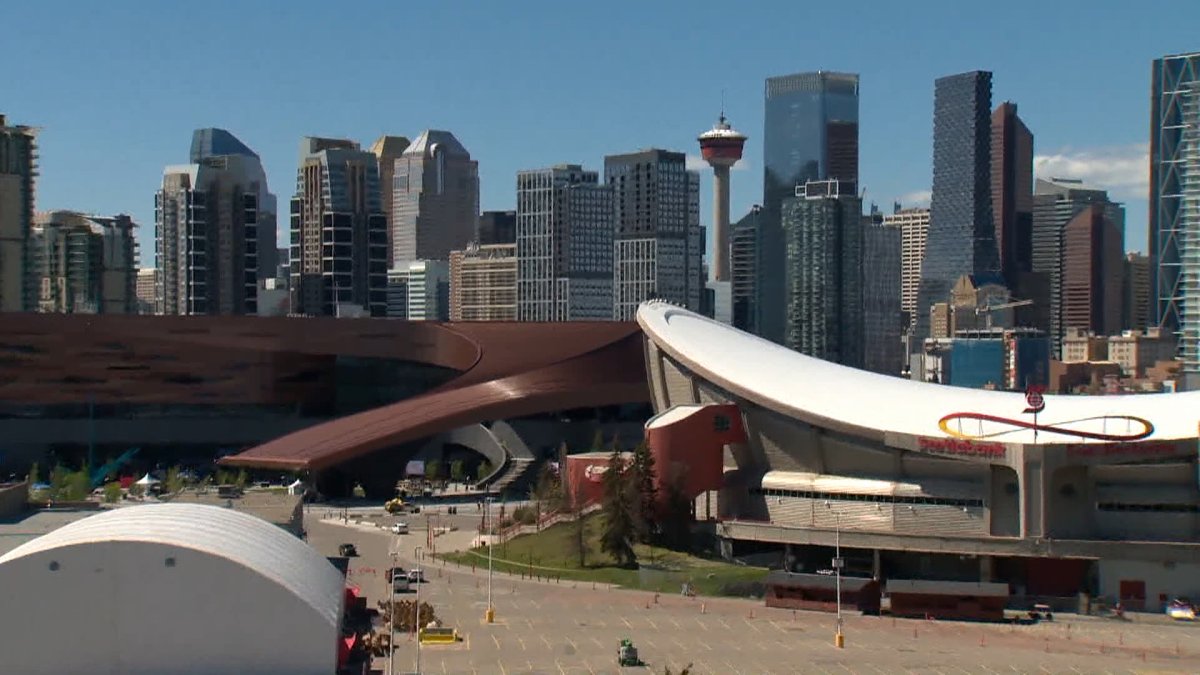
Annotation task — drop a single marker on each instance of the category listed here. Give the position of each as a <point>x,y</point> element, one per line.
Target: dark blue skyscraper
<point>962,236</point>
<point>810,134</point>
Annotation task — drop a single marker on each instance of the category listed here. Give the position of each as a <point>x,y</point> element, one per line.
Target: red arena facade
<point>319,395</point>
<point>1055,499</point>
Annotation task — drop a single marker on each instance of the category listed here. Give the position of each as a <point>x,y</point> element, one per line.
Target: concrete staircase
<point>517,478</point>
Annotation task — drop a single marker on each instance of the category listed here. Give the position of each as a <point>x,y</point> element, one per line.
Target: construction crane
<point>989,308</point>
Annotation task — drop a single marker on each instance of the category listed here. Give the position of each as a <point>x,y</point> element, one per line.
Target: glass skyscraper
<point>823,235</point>
<point>810,134</point>
<point>962,235</point>
<point>1175,204</point>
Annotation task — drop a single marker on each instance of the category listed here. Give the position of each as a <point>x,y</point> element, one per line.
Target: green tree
<point>112,492</point>
<point>33,474</point>
<point>677,511</point>
<point>58,481</point>
<point>78,485</point>
<point>433,469</point>
<point>457,473</point>
<point>619,525</point>
<point>642,479</point>
<point>174,481</point>
<point>485,470</point>
<point>242,479</point>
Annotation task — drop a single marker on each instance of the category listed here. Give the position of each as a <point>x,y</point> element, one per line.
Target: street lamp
<point>417,610</point>
<point>489,615</point>
<point>391,596</point>
<point>839,640</point>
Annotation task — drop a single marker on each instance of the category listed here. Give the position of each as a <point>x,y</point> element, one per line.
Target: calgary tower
<point>721,147</point>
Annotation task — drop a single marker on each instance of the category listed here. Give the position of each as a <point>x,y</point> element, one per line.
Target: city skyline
<point>526,126</point>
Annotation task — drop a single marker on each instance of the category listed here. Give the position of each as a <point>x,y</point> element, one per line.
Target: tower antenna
<point>722,105</point>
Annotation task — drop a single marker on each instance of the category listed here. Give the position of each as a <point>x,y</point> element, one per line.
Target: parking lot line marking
<point>522,641</point>
<point>548,645</point>
<point>560,668</point>
<point>502,669</point>
<point>496,640</point>
<point>676,623</point>
<point>652,624</point>
<point>573,645</point>
<point>701,624</point>
<point>756,628</point>
<point>627,624</point>
<point>777,627</point>
<point>444,671</point>
<point>597,642</point>
<point>589,667</point>
<point>727,626</point>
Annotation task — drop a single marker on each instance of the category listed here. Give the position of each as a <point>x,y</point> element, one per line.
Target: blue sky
<point>117,87</point>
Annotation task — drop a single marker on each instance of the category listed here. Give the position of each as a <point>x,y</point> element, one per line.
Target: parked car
<point>416,576</point>
<point>347,550</point>
<point>400,583</point>
<point>400,528</point>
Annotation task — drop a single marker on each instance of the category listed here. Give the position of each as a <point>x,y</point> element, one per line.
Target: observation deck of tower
<point>721,147</point>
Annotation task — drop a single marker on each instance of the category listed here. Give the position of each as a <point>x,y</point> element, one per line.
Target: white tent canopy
<point>296,488</point>
<point>148,480</point>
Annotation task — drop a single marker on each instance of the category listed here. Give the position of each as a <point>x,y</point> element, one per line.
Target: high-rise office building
<point>883,320</point>
<point>339,232</point>
<point>84,264</point>
<point>658,251</point>
<point>206,236</point>
<point>914,227</point>
<point>743,265</point>
<point>18,174</point>
<point>146,285</point>
<point>810,134</point>
<point>823,232</point>
<point>1093,264</point>
<point>387,149</point>
<point>435,199</point>
<point>483,283</point>
<point>1055,202</point>
<point>564,245</point>
<point>1136,313</point>
<point>428,290</point>
<point>497,227</point>
<point>1174,225</point>
<point>1012,193</point>
<point>211,143</point>
<point>961,239</point>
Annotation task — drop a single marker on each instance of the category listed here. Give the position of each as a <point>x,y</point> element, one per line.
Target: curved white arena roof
<point>243,539</point>
<point>828,394</point>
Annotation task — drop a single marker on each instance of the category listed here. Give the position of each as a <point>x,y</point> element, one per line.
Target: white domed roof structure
<point>169,588</point>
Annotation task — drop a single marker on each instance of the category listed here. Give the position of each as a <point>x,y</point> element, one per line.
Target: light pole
<point>489,615</point>
<point>417,610</point>
<point>391,596</point>
<point>839,640</point>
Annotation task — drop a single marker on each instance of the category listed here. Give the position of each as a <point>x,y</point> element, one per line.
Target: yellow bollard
<point>839,640</point>
<point>489,616</point>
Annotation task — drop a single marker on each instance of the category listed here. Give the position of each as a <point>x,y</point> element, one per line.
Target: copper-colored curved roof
<point>518,369</point>
<point>504,370</point>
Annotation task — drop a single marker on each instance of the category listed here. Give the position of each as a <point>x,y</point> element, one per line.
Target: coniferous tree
<point>642,478</point>
<point>619,526</point>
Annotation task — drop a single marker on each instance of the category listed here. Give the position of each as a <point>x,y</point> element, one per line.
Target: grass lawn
<point>553,552</point>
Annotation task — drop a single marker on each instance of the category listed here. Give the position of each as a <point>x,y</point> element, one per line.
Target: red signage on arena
<point>957,446</point>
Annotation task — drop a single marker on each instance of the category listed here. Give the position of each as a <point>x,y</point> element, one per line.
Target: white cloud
<point>697,163</point>
<point>913,199</point>
<point>1123,170</point>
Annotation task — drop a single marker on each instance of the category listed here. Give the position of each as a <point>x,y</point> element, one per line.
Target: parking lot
<point>548,627</point>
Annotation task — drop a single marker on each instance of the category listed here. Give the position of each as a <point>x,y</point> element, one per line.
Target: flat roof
<point>832,395</point>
